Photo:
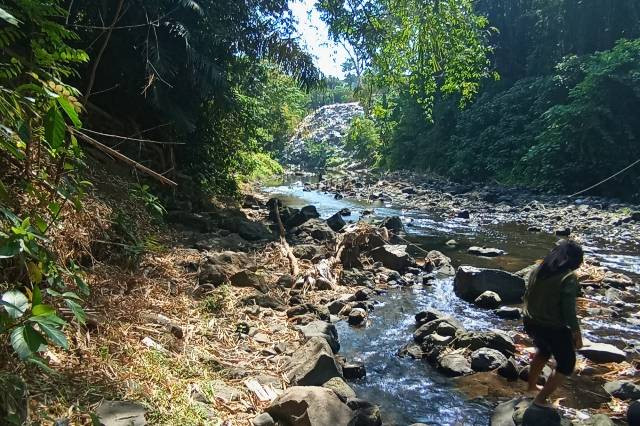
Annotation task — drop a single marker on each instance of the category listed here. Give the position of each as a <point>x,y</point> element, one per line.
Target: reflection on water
<point>411,391</point>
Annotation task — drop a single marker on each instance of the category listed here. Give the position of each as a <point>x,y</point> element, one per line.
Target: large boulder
<point>471,282</point>
<point>485,251</point>
<point>436,261</point>
<point>486,359</point>
<point>310,406</point>
<point>433,326</point>
<point>304,214</point>
<point>247,229</point>
<point>454,364</point>
<point>393,224</point>
<point>312,364</point>
<point>497,340</point>
<point>336,222</point>
<point>602,353</point>
<point>521,412</point>
<point>341,388</point>
<point>393,257</point>
<point>322,329</point>
<point>121,413</point>
<point>316,228</point>
<point>220,267</point>
<point>247,278</point>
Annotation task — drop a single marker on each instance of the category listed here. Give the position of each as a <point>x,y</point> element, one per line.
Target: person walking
<point>550,317</point>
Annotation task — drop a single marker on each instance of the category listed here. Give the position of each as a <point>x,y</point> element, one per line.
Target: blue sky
<point>314,35</point>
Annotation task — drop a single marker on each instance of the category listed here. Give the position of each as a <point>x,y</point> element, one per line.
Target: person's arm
<point>568,306</point>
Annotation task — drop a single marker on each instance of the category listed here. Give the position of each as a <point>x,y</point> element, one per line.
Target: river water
<point>411,391</point>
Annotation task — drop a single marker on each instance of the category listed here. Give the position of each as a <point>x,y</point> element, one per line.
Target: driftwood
<point>123,158</point>
<point>293,262</point>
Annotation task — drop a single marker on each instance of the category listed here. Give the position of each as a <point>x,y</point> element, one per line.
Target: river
<point>410,391</point>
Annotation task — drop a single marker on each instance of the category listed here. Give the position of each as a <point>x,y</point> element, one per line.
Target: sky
<point>314,36</point>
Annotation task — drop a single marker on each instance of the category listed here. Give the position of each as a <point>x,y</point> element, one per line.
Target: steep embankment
<point>320,137</point>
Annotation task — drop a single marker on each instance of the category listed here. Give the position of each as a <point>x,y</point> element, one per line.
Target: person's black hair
<point>566,256</point>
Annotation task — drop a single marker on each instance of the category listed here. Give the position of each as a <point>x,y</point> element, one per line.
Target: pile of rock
<point>443,341</point>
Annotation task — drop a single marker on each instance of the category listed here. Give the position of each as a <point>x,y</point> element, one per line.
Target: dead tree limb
<point>293,262</point>
<point>123,158</point>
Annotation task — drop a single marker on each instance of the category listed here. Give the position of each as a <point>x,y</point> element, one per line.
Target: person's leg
<point>561,344</point>
<point>538,362</point>
<point>552,384</point>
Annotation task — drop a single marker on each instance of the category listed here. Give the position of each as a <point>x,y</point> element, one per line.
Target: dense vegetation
<point>559,115</point>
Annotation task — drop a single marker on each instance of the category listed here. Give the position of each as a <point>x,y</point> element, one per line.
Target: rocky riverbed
<point>468,330</point>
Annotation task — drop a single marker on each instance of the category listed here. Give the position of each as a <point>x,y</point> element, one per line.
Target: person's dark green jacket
<point>552,301</point>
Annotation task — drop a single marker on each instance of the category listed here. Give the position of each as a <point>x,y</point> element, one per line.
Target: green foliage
<point>423,47</point>
<point>215,303</point>
<point>262,166</point>
<point>39,156</point>
<point>363,139</point>
<point>151,201</point>
<point>560,118</point>
<point>320,154</point>
<point>332,90</point>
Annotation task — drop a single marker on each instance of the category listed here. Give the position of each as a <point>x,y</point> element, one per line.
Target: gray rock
<point>220,267</point>
<point>303,215</point>
<point>341,388</point>
<point>317,229</point>
<point>509,370</point>
<point>322,329</point>
<point>497,340</point>
<point>485,359</point>
<point>597,420</point>
<point>121,413</point>
<point>357,316</point>
<point>536,416</point>
<point>428,315</point>
<point>471,282</point>
<point>264,301</point>
<point>393,257</point>
<point>263,419</point>
<point>354,370</point>
<point>485,251</point>
<point>507,312</point>
<point>454,364</point>
<point>312,364</point>
<point>430,327</point>
<point>247,278</point>
<point>393,223</point>
<point>310,405</point>
<point>623,389</point>
<point>488,300</point>
<point>411,350</point>
<point>601,353</point>
<point>336,222</point>
<point>439,263</point>
<point>308,251</point>
<point>247,229</point>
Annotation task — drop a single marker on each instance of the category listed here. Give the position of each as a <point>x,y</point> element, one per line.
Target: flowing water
<point>411,391</point>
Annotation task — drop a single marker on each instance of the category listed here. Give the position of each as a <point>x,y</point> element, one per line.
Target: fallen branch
<point>293,262</point>
<point>123,158</point>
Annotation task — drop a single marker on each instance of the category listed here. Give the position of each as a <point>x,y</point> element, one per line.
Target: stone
<point>486,359</point>
<point>617,280</point>
<point>509,370</point>
<point>336,222</point>
<point>393,257</point>
<point>354,370</point>
<point>428,315</point>
<point>121,413</point>
<point>451,243</point>
<point>317,229</point>
<point>309,406</point>
<point>430,327</point>
<point>507,312</point>
<point>220,267</point>
<point>357,316</point>
<point>247,229</point>
<point>454,364</point>
<point>488,300</point>
<point>312,364</point>
<point>322,329</point>
<point>363,294</point>
<point>300,217</point>
<point>308,251</point>
<point>263,419</point>
<point>366,415</point>
<point>264,301</point>
<point>411,350</point>
<point>463,214</point>
<point>446,329</point>
<point>598,420</point>
<point>471,282</point>
<point>440,263</point>
<point>341,388</point>
<point>602,353</point>
<point>536,416</point>
<point>393,224</point>
<point>286,281</point>
<point>497,340</point>
<point>563,232</point>
<point>247,278</point>
<point>485,251</point>
<point>345,212</point>
<point>623,389</point>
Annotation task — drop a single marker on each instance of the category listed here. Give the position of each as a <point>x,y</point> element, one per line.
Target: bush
<point>363,139</point>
